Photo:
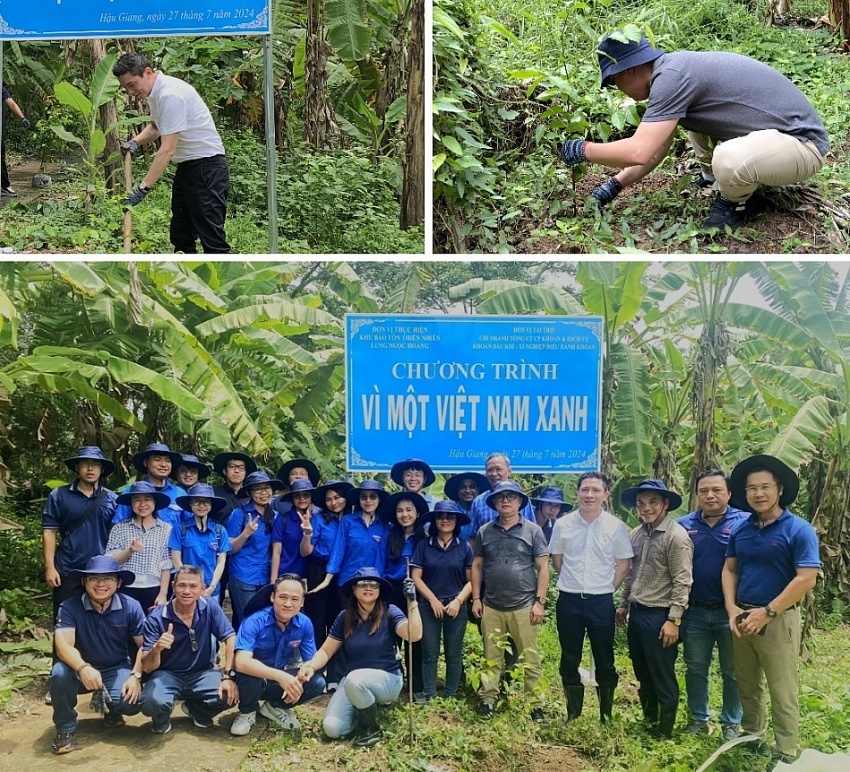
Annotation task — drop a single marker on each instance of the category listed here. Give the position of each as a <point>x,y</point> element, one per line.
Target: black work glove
<point>408,589</point>
<point>27,124</point>
<point>607,191</point>
<point>572,151</point>
<point>131,147</point>
<point>135,196</point>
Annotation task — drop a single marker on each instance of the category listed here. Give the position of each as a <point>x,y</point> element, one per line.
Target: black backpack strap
<point>93,505</point>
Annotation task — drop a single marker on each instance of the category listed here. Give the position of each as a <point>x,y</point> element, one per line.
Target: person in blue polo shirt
<point>271,647</point>
<point>295,512</point>
<point>92,637</point>
<point>201,541</point>
<point>704,623</point>
<point>771,563</point>
<point>190,471</point>
<point>497,468</point>
<point>179,654</point>
<point>414,476</point>
<point>441,570</point>
<point>154,465</point>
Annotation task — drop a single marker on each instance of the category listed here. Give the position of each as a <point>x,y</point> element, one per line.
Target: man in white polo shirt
<point>591,552</point>
<point>188,137</point>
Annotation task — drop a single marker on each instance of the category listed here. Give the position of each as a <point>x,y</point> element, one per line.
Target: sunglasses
<point>445,516</point>
<point>368,584</point>
<point>193,641</point>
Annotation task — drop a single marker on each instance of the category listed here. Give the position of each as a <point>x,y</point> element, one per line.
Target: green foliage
<point>21,561</point>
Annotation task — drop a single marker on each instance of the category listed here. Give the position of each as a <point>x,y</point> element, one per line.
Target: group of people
<point>326,583</point>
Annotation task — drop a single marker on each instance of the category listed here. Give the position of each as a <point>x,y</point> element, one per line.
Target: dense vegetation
<point>512,80</point>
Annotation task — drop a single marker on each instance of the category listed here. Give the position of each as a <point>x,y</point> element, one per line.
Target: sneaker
<point>201,723</point>
<point>114,720</point>
<point>420,698</point>
<point>161,729</point>
<point>485,710</point>
<point>283,717</point>
<point>537,715</point>
<point>242,723</point>
<point>8,191</point>
<point>64,742</point>
<point>699,727</point>
<point>730,732</point>
<point>725,213</point>
<point>332,686</point>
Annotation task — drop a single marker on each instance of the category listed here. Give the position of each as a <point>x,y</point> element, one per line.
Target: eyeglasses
<point>205,503</point>
<point>445,516</point>
<point>367,584</point>
<point>236,467</point>
<point>506,496</point>
<point>368,495</point>
<point>261,488</point>
<point>193,641</point>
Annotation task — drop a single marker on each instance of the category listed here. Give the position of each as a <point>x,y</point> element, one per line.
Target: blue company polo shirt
<point>280,649</point>
<point>286,531</point>
<point>200,548</point>
<point>170,514</point>
<point>64,507</point>
<point>443,570</point>
<point>356,546</point>
<point>102,639</point>
<point>323,538</point>
<point>767,557</point>
<point>363,650</point>
<point>252,563</point>
<point>710,546</point>
<point>208,622</point>
<point>481,514</point>
<point>394,570</point>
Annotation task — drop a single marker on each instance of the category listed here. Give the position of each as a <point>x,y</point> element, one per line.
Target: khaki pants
<point>494,625</point>
<point>772,656</point>
<point>766,157</point>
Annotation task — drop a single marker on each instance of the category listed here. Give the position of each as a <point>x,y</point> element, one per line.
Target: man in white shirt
<point>188,137</point>
<point>591,552</point>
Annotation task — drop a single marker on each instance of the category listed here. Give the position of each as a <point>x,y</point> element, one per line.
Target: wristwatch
<point>144,186</point>
<point>136,674</point>
<point>541,599</point>
<point>677,622</point>
<point>770,612</point>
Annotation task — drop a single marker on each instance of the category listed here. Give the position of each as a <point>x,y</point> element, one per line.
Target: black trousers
<point>199,205</point>
<point>592,615</point>
<point>655,666</point>
<point>4,178</point>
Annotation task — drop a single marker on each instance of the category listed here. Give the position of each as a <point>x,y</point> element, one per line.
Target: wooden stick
<point>409,667</point>
<point>128,214</point>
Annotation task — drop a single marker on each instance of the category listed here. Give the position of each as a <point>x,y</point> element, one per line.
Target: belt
<point>588,595</point>
<point>710,606</point>
<point>750,606</point>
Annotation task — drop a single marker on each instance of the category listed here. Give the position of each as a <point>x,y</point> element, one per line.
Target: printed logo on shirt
<point>376,538</point>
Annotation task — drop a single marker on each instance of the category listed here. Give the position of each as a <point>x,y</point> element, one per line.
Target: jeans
<point>654,665</point>
<point>200,690</point>
<point>359,689</point>
<point>65,685</point>
<point>701,629</point>
<point>199,205</point>
<point>593,614</point>
<point>253,689</point>
<point>451,630</point>
<point>240,594</point>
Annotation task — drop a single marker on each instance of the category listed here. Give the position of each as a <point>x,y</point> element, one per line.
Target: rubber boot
<point>370,733</point>
<point>575,701</point>
<point>667,720</point>
<point>606,702</point>
<point>649,704</point>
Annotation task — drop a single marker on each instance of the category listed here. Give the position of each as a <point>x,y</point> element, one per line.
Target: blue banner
<point>60,19</point>
<point>453,389</point>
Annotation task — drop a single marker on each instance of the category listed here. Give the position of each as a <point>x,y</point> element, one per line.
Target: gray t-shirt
<point>509,573</point>
<point>724,96</point>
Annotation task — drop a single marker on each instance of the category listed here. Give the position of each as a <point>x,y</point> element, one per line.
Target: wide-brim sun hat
<point>368,573</point>
<point>785,474</point>
<point>201,491</point>
<point>260,478</point>
<point>452,487</point>
<point>103,564</point>
<point>312,470</point>
<point>616,57</point>
<point>342,487</point>
<point>299,486</point>
<point>144,488</point>
<point>552,495</point>
<point>221,460</point>
<point>507,486</point>
<point>155,449</point>
<point>629,496</point>
<point>91,453</point>
<point>186,459</point>
<point>367,486</point>
<point>446,507</point>
<point>398,469</point>
<point>389,504</point>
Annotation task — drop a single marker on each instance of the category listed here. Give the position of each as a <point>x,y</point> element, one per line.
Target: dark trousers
<point>252,690</point>
<point>322,609</point>
<point>4,182</point>
<point>655,666</point>
<point>199,205</point>
<point>577,615</point>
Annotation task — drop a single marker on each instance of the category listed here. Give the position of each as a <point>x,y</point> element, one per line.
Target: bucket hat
<point>551,494</point>
<point>299,486</point>
<point>507,486</point>
<point>388,505</point>
<point>342,487</point>
<point>616,57</point>
<point>160,500</point>
<point>260,478</point>
<point>201,491</point>
<point>629,496</point>
<point>440,508</point>
<point>397,472</point>
<point>91,453</point>
<point>155,448</point>
<point>312,470</point>
<point>220,461</point>
<point>452,486</point>
<point>187,459</point>
<point>373,486</point>
<point>103,564</point>
<point>787,478</point>
<point>368,572</point>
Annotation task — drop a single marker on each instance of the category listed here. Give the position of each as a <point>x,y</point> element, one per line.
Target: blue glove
<point>131,147</point>
<point>572,151</point>
<point>135,196</point>
<point>27,124</point>
<point>607,191</point>
<point>408,589</point>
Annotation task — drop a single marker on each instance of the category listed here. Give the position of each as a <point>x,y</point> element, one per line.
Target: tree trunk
<point>318,118</point>
<point>413,189</point>
<point>108,117</point>
<point>839,15</point>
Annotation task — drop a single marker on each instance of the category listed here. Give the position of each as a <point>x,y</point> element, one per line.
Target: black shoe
<point>537,715</point>
<point>725,213</point>
<point>575,701</point>
<point>666,720</point>
<point>64,742</point>
<point>606,702</point>
<point>370,732</point>
<point>485,710</point>
<point>368,738</point>
<point>114,720</point>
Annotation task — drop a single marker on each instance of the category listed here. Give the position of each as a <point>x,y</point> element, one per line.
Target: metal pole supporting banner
<point>271,144</point>
<point>3,105</point>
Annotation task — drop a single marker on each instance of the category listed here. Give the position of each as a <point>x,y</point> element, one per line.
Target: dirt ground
<point>21,174</point>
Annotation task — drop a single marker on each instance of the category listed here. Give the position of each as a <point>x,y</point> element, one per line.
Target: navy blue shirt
<point>363,650</point>
<point>768,557</point>
<point>170,514</point>
<point>252,564</point>
<point>356,546</point>
<point>208,622</point>
<point>64,507</point>
<point>323,538</point>
<point>102,639</point>
<point>281,649</point>
<point>234,501</point>
<point>710,546</point>
<point>443,570</point>
<point>200,548</point>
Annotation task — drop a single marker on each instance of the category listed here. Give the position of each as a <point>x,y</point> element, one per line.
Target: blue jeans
<point>701,629</point>
<point>451,630</point>
<point>252,690</point>
<point>359,689</point>
<point>240,594</point>
<point>65,685</point>
<point>199,690</point>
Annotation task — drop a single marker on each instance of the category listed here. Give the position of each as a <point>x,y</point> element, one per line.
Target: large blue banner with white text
<point>59,19</point>
<point>453,389</point>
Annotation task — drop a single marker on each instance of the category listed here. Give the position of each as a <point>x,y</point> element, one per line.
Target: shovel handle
<point>128,215</point>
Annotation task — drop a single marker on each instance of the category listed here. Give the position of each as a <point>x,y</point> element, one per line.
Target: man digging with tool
<point>187,134</point>
<point>748,124</point>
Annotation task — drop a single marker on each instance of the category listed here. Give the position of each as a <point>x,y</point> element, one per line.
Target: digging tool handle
<point>409,666</point>
<point>128,215</point>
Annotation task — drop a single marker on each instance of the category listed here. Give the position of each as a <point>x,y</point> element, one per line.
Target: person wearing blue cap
<point>749,124</point>
<point>81,514</point>
<point>294,513</point>
<point>549,506</point>
<point>154,465</point>
<point>94,634</point>
<point>654,599</point>
<point>414,475</point>
<point>200,540</point>
<point>190,471</point>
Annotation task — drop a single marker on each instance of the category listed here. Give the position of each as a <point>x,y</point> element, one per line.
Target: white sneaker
<point>8,191</point>
<point>283,717</point>
<point>242,723</point>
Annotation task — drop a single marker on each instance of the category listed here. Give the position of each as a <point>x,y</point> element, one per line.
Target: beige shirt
<point>662,569</point>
